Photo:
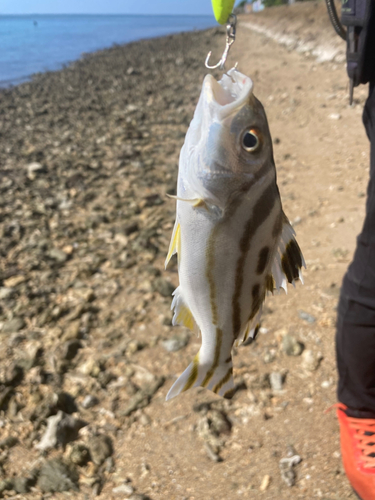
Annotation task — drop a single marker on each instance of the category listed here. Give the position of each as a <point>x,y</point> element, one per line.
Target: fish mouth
<point>228,94</point>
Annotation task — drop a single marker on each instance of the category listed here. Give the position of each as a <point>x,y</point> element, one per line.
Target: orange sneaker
<point>357,437</point>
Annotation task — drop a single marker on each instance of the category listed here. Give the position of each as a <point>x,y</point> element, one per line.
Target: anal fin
<point>182,314</point>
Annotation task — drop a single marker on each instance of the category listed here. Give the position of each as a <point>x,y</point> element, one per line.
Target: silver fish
<point>233,240</point>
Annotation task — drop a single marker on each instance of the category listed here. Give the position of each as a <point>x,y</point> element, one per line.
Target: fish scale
<point>232,239</point>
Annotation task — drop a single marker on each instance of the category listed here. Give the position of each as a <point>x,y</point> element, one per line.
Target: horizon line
<point>99,14</point>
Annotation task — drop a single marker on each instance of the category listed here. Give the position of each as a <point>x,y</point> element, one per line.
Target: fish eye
<point>250,140</point>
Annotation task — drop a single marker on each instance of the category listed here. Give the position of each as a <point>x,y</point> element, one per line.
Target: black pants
<point>355,337</point>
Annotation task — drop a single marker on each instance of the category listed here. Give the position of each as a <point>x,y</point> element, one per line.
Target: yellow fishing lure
<point>222,9</point>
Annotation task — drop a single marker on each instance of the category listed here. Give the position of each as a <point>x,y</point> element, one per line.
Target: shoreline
<point>59,65</point>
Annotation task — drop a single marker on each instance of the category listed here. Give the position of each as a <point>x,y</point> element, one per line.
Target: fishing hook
<point>230,38</point>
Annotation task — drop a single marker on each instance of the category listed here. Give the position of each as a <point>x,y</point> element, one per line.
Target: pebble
<point>56,476</point>
<point>176,343</point>
<point>162,286</point>
<point>311,360</point>
<point>79,454</point>
<point>276,381</point>
<point>100,448</point>
<point>287,472</point>
<point>306,316</point>
<point>6,293</point>
<point>265,482</point>
<point>291,346</point>
<point>123,489</point>
<point>326,384</point>
<point>13,325</point>
<point>61,428</point>
<point>90,401</point>
<point>138,496</point>
<point>33,169</point>
<point>334,116</point>
<point>212,455</point>
<point>57,255</point>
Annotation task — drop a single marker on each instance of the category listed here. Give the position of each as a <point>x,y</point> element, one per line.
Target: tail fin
<point>218,379</point>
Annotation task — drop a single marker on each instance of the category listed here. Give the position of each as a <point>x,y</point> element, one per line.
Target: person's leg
<point>355,338</point>
<point>355,345</point>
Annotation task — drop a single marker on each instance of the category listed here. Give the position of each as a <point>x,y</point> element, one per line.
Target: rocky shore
<point>87,350</point>
<point>87,157</point>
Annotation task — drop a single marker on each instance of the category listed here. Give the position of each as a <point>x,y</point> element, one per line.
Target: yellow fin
<point>182,314</point>
<point>175,244</point>
<point>185,318</point>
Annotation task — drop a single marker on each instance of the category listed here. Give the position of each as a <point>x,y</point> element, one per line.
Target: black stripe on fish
<point>229,394</point>
<point>223,381</point>
<point>262,260</point>
<point>230,211</point>
<point>270,283</point>
<point>193,375</point>
<point>291,261</point>
<point>262,210</point>
<point>278,226</point>
<point>215,364</point>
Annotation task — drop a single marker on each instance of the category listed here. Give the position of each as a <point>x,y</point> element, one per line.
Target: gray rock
<point>6,293</point>
<point>70,349</point>
<point>57,255</point>
<point>142,398</point>
<point>306,316</point>
<point>8,442</point>
<point>291,346</point>
<point>61,429</point>
<point>55,475</point>
<point>100,448</point>
<point>123,489</point>
<point>175,343</point>
<point>276,381</point>
<point>80,454</point>
<point>138,496</point>
<point>6,485</point>
<point>5,395</point>
<point>311,360</point>
<point>90,401</point>
<point>22,484</point>
<point>287,472</point>
<point>13,325</point>
<point>162,286</point>
<point>33,169</point>
<point>211,453</point>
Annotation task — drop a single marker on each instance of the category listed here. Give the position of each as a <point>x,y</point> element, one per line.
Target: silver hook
<point>230,38</point>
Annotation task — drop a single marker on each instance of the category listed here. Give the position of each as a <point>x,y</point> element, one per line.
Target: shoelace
<point>364,434</point>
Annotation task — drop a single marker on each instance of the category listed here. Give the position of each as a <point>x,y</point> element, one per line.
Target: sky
<point>201,7</point>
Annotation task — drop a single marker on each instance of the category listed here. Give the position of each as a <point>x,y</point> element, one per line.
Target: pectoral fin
<point>289,260</point>
<point>194,202</point>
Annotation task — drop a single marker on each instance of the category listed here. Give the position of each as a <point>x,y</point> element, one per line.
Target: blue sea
<point>37,43</point>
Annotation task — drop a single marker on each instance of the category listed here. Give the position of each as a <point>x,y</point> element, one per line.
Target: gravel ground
<point>87,350</point>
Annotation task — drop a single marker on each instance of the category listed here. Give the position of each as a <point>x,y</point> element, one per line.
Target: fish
<point>234,243</point>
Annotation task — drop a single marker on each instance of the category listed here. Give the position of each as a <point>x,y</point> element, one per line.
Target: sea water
<point>36,43</point>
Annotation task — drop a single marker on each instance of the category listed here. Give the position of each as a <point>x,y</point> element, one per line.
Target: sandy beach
<point>87,350</point>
